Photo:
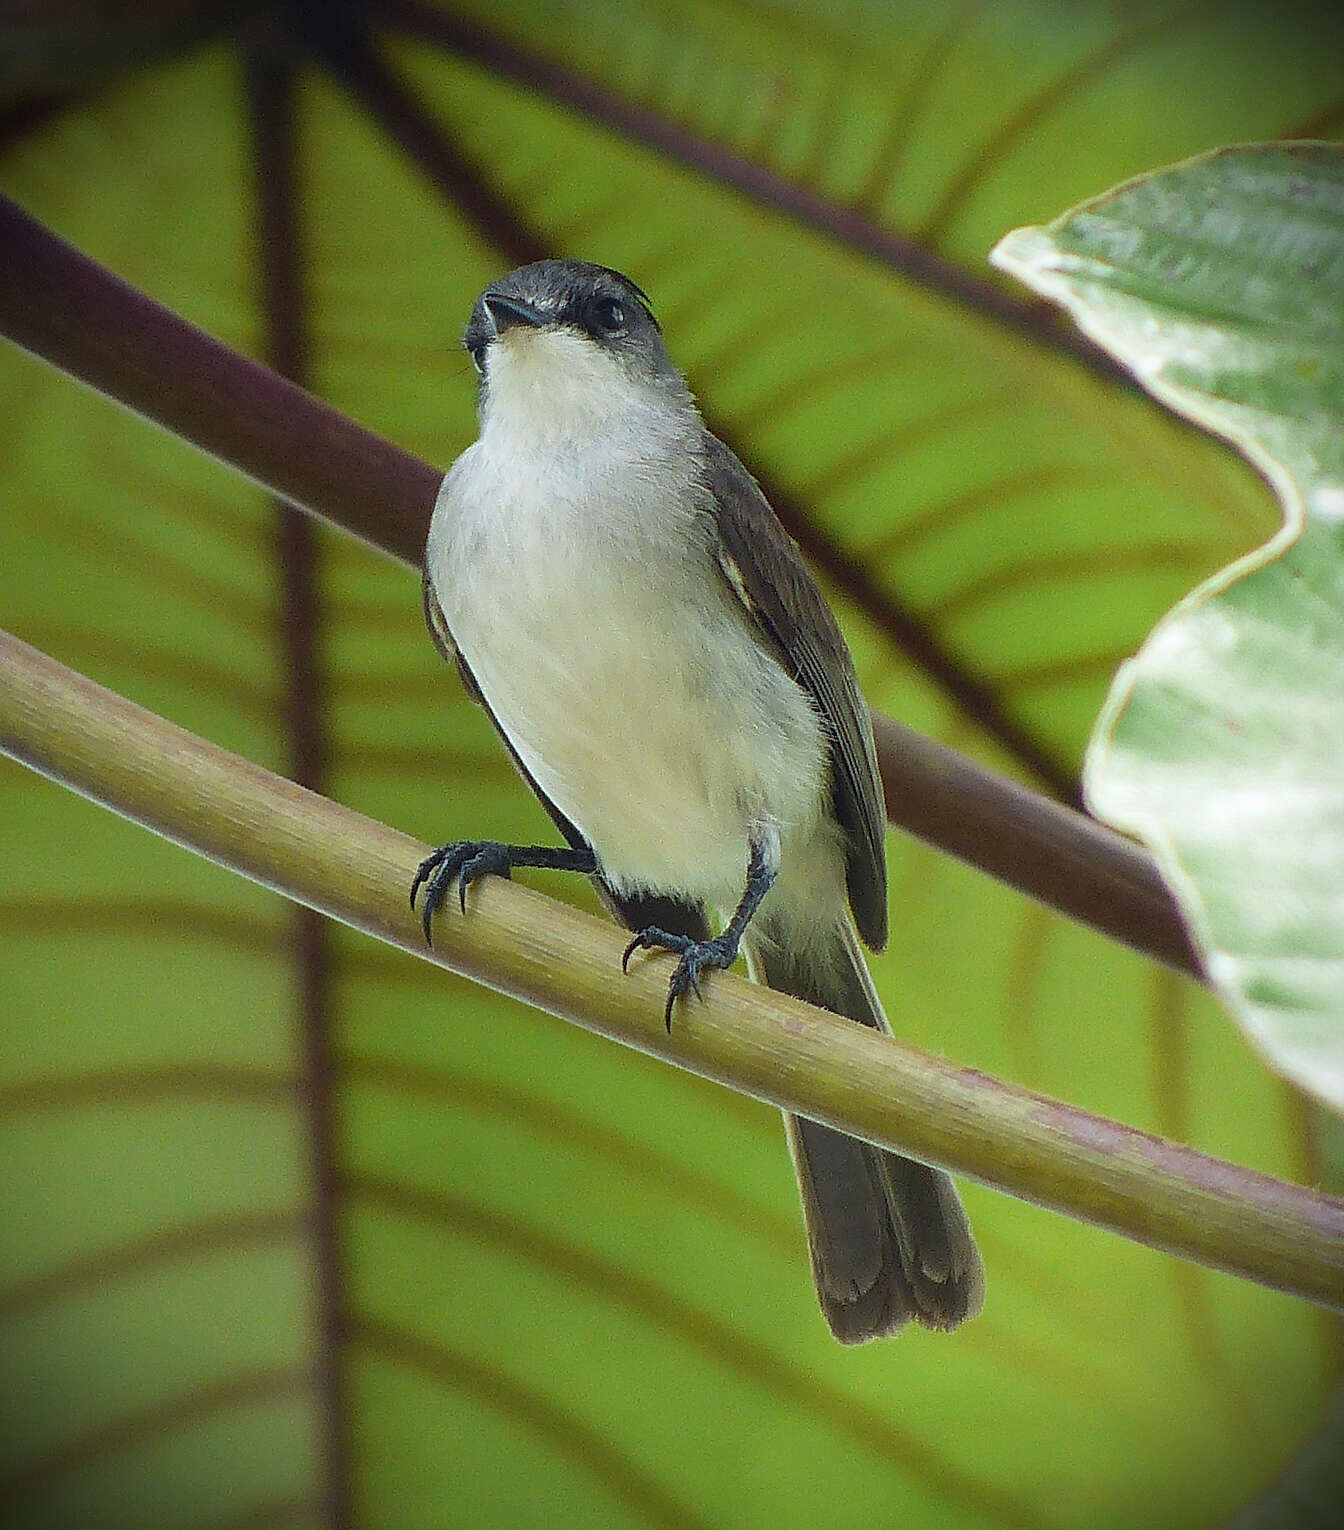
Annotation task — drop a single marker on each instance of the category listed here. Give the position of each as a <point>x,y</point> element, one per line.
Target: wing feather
<point>762,564</point>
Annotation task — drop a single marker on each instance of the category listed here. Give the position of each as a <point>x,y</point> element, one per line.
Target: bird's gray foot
<point>697,956</point>
<point>468,859</point>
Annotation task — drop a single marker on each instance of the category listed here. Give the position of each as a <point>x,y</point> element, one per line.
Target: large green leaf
<point>1221,284</point>
<point>286,1229</point>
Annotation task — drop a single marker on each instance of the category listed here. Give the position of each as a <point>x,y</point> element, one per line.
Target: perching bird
<point>617,592</point>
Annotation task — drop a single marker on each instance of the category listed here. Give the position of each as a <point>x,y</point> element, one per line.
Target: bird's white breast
<point>577,575</point>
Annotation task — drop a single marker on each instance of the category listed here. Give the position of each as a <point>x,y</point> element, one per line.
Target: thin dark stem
<point>1061,858</point>
<point>69,310</point>
<point>270,82</point>
<point>364,73</point>
<point>129,1431</point>
<point>977,701</point>
<point>847,225</point>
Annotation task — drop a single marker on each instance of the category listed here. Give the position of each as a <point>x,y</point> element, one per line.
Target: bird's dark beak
<point>508,311</point>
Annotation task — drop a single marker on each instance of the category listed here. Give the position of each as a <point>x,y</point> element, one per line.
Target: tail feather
<point>888,1237</point>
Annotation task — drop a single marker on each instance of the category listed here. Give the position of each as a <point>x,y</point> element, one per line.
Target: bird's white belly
<point>630,684</point>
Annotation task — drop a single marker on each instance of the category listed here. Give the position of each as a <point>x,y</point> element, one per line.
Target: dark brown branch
<point>74,313</point>
<point>1059,857</point>
<point>301,449</point>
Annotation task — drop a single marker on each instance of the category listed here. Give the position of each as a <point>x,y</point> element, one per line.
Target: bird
<point>616,591</point>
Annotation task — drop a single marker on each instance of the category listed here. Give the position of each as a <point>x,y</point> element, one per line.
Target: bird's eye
<point>477,353</point>
<point>609,314</point>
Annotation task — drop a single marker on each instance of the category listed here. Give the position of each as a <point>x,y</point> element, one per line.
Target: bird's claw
<point>466,860</point>
<point>697,956</point>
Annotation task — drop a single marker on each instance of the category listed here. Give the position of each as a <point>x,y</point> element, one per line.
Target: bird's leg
<point>467,859</point>
<point>698,956</point>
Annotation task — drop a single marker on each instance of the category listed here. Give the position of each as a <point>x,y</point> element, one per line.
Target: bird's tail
<point>888,1236</point>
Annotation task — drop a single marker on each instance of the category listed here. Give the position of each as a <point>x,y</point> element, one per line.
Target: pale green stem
<point>763,1043</point>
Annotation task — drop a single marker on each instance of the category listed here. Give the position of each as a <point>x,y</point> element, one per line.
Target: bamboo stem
<point>763,1043</point>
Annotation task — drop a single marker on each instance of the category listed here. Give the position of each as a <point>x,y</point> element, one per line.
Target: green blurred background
<point>297,1231</point>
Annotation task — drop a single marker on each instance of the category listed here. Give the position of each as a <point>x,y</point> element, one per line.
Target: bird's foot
<point>465,860</point>
<point>697,956</point>
<point>468,859</point>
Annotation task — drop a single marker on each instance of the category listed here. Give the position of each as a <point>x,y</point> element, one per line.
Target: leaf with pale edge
<point>1220,283</point>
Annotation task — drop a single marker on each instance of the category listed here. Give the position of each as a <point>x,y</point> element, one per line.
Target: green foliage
<point>571,1281</point>
<point>1220,282</point>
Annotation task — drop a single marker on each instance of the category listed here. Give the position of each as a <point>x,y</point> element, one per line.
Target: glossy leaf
<point>1220,283</point>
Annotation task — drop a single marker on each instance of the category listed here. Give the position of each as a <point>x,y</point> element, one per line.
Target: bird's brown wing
<point>761,562</point>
